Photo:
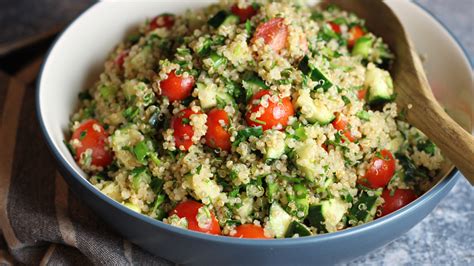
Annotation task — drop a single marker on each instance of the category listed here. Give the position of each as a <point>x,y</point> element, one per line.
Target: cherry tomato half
<point>335,27</point>
<point>243,13</point>
<point>91,135</point>
<point>217,136</point>
<point>396,200</point>
<point>177,87</point>
<point>354,34</point>
<point>380,171</point>
<point>183,131</point>
<point>189,209</point>
<point>162,21</point>
<point>249,231</point>
<point>361,94</point>
<point>273,114</point>
<point>274,33</point>
<point>120,59</point>
<point>340,123</point>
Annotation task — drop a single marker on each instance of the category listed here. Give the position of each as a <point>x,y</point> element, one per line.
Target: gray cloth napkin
<point>41,222</point>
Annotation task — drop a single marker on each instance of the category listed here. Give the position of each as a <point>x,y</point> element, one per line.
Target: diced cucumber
<point>379,85</point>
<point>272,190</point>
<point>316,218</point>
<point>224,99</point>
<point>207,94</point>
<point>274,144</point>
<point>252,85</point>
<point>306,161</point>
<point>326,215</point>
<point>223,18</point>
<point>279,220</point>
<point>246,209</point>
<point>315,74</point>
<point>313,110</point>
<point>217,60</point>
<point>297,228</point>
<point>133,207</point>
<point>362,46</point>
<point>365,208</point>
<point>140,175</point>
<point>301,199</point>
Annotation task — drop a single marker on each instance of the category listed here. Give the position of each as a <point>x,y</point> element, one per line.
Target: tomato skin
<point>335,27</point>
<point>243,13</point>
<point>162,21</point>
<point>380,171</point>
<point>276,115</point>
<point>400,198</point>
<point>274,33</point>
<point>249,231</point>
<point>217,136</point>
<point>176,87</point>
<point>354,34</point>
<point>189,209</point>
<point>340,124</point>
<point>120,59</point>
<point>361,94</point>
<point>183,131</point>
<point>93,137</point>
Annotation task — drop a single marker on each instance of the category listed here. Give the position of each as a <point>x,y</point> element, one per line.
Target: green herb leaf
<point>244,134</point>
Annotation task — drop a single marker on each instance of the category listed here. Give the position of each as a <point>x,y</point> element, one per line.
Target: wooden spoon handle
<point>455,142</point>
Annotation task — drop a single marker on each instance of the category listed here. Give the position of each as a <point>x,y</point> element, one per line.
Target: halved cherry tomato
<point>397,200</point>
<point>217,136</point>
<point>361,94</point>
<point>380,171</point>
<point>274,33</point>
<point>335,27</point>
<point>189,209</point>
<point>340,123</point>
<point>120,59</point>
<point>249,231</point>
<point>162,21</point>
<point>354,34</point>
<point>243,13</point>
<point>91,135</point>
<point>274,115</point>
<point>177,87</point>
<point>183,131</point>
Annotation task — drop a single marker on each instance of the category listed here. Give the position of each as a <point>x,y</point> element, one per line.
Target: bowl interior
<point>77,59</point>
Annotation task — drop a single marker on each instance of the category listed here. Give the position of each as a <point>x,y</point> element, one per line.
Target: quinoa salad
<point>252,119</point>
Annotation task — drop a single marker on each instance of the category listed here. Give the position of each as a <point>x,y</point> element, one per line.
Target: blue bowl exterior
<point>188,247</point>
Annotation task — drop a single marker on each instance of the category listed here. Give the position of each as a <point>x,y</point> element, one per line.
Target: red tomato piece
<point>273,114</point>
<point>380,171</point>
<point>217,136</point>
<point>396,200</point>
<point>361,94</point>
<point>249,231</point>
<point>243,13</point>
<point>354,34</point>
<point>340,124</point>
<point>189,209</point>
<point>176,87</point>
<point>183,131</point>
<point>274,33</point>
<point>335,27</point>
<point>120,59</point>
<point>91,135</point>
<point>162,21</point>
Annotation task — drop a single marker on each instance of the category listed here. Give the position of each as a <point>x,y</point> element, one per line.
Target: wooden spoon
<point>411,85</point>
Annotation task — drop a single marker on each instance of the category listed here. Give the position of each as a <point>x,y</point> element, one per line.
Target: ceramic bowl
<point>75,61</point>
